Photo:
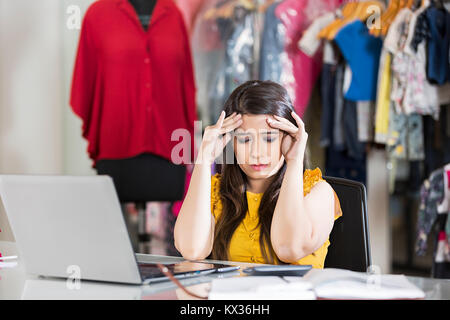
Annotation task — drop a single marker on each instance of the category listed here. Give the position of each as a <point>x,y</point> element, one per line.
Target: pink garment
<point>297,16</point>
<point>190,10</point>
<point>205,33</point>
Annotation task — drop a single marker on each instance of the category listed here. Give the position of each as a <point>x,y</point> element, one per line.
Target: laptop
<point>73,226</point>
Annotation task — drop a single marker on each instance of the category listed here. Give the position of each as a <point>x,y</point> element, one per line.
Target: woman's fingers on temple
<point>232,118</point>
<point>221,119</point>
<point>297,118</point>
<point>232,126</point>
<point>288,127</point>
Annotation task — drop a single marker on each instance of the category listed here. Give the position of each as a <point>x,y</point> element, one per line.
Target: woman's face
<point>257,147</point>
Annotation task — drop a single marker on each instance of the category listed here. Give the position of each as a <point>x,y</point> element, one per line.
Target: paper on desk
<point>344,284</point>
<point>261,288</point>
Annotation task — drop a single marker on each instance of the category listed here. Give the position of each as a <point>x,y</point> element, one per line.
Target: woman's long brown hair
<point>252,97</point>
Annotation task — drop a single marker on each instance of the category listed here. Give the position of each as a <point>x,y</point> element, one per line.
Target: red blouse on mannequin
<point>133,88</point>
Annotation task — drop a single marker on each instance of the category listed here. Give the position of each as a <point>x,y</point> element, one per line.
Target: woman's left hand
<point>293,143</point>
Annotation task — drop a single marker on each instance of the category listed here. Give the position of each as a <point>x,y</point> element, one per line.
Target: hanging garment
<point>405,137</point>
<point>394,42</point>
<point>383,98</point>
<point>411,91</point>
<point>208,53</point>
<point>438,66</point>
<point>431,193</point>
<point>421,96</point>
<point>362,52</point>
<point>238,63</point>
<point>272,55</point>
<point>131,88</point>
<point>338,125</point>
<point>437,143</point>
<point>433,27</point>
<point>190,10</point>
<point>355,148</point>
<point>310,42</point>
<point>421,31</point>
<point>444,206</point>
<point>415,26</point>
<point>328,97</point>
<point>297,16</point>
<point>365,112</point>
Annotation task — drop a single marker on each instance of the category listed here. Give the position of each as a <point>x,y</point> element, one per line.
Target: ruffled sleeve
<point>216,203</point>
<point>310,178</point>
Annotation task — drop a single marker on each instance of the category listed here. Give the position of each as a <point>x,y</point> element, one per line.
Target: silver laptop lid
<point>67,226</point>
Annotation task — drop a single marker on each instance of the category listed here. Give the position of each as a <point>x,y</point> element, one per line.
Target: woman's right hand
<point>216,137</point>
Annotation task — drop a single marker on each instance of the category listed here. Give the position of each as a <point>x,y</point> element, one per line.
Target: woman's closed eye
<point>267,138</point>
<point>243,140</point>
<point>270,139</point>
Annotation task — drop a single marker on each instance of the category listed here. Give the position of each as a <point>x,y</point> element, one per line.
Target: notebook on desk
<point>317,283</point>
<point>73,227</point>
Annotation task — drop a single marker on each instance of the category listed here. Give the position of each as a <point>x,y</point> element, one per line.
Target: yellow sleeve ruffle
<point>216,203</point>
<point>310,178</point>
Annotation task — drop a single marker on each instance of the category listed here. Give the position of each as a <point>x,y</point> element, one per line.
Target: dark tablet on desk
<point>282,270</point>
<point>182,270</point>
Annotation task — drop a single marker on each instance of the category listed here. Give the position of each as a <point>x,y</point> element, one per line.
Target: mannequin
<point>144,10</point>
<point>145,177</point>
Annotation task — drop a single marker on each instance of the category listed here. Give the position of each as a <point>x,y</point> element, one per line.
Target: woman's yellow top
<point>244,244</point>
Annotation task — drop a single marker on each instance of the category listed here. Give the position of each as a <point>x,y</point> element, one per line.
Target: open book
<point>344,284</point>
<point>317,283</point>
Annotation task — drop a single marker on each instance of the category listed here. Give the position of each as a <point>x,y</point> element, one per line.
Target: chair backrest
<point>350,246</point>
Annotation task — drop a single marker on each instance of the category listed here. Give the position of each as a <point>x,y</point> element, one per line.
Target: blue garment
<point>272,46</point>
<point>362,52</point>
<point>438,68</point>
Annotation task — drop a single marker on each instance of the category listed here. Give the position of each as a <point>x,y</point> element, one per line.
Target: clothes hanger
<point>360,13</point>
<point>390,19</point>
<point>226,11</point>
<point>338,26</point>
<point>266,5</point>
<point>391,7</point>
<point>347,10</point>
<point>223,11</point>
<point>410,4</point>
<point>247,4</point>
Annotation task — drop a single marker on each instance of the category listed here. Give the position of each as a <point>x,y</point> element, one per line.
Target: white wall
<point>39,134</point>
<point>31,89</point>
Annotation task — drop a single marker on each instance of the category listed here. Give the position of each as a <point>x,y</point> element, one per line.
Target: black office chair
<point>350,246</point>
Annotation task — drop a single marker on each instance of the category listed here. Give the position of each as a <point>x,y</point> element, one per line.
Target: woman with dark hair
<point>264,206</point>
